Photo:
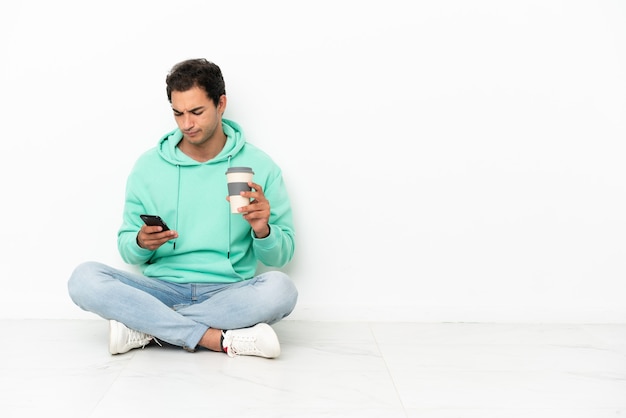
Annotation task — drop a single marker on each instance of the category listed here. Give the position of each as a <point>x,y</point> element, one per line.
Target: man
<point>198,285</point>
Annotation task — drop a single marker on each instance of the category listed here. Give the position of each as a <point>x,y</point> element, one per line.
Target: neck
<point>204,151</point>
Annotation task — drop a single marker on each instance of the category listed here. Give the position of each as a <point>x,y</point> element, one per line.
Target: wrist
<point>263,234</point>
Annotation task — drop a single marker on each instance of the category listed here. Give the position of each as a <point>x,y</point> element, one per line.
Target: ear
<point>221,105</point>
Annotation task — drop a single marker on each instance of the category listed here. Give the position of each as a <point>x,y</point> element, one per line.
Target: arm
<point>272,225</point>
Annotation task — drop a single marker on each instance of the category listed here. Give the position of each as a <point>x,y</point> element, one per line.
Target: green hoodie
<point>213,245</point>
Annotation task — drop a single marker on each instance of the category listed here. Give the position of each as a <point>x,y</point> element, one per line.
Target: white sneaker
<point>259,340</point>
<point>123,339</point>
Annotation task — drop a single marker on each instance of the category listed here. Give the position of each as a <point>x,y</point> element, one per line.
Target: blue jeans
<point>180,314</point>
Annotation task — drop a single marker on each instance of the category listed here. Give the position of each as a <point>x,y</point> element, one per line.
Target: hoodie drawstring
<point>229,220</point>
<point>177,200</point>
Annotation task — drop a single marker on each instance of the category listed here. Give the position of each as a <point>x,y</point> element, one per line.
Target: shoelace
<point>244,345</point>
<point>140,338</point>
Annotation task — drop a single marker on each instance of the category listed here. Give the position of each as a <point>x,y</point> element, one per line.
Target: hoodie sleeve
<point>127,245</point>
<point>278,248</point>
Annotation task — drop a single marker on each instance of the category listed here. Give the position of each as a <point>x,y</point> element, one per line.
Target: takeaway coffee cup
<point>237,179</point>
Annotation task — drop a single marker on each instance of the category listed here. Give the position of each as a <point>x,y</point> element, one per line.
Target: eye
<point>197,112</point>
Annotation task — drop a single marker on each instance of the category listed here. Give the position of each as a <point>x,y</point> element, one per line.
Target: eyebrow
<point>195,109</point>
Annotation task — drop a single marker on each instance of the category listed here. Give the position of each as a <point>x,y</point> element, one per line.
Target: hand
<point>152,237</point>
<point>257,213</point>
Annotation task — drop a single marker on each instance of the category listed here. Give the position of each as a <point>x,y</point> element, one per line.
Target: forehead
<point>190,99</point>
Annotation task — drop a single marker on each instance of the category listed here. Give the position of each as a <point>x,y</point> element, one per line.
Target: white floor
<point>54,368</point>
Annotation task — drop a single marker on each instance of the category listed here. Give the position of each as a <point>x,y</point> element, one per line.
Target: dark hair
<point>196,72</point>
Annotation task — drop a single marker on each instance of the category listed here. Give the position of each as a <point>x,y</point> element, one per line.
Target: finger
<point>155,240</point>
<point>255,211</point>
<point>255,196</point>
<point>149,230</point>
<point>158,236</point>
<point>256,187</point>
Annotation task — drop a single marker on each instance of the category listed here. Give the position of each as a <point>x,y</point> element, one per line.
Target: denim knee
<point>76,283</point>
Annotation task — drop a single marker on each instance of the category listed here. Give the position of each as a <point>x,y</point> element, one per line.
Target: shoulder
<point>260,161</point>
<point>147,156</point>
<point>254,151</point>
<point>147,161</point>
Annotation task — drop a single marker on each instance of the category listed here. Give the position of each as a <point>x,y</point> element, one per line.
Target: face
<point>197,116</point>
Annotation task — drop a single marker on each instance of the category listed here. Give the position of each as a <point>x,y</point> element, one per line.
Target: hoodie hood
<point>168,149</point>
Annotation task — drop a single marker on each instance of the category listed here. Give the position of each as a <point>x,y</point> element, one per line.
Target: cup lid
<point>239,170</point>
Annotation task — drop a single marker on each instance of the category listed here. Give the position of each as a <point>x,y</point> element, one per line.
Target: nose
<point>187,122</point>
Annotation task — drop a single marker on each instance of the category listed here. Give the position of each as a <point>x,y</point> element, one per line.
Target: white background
<point>447,160</point>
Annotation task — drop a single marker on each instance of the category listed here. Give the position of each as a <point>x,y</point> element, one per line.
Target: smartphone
<point>154,220</point>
